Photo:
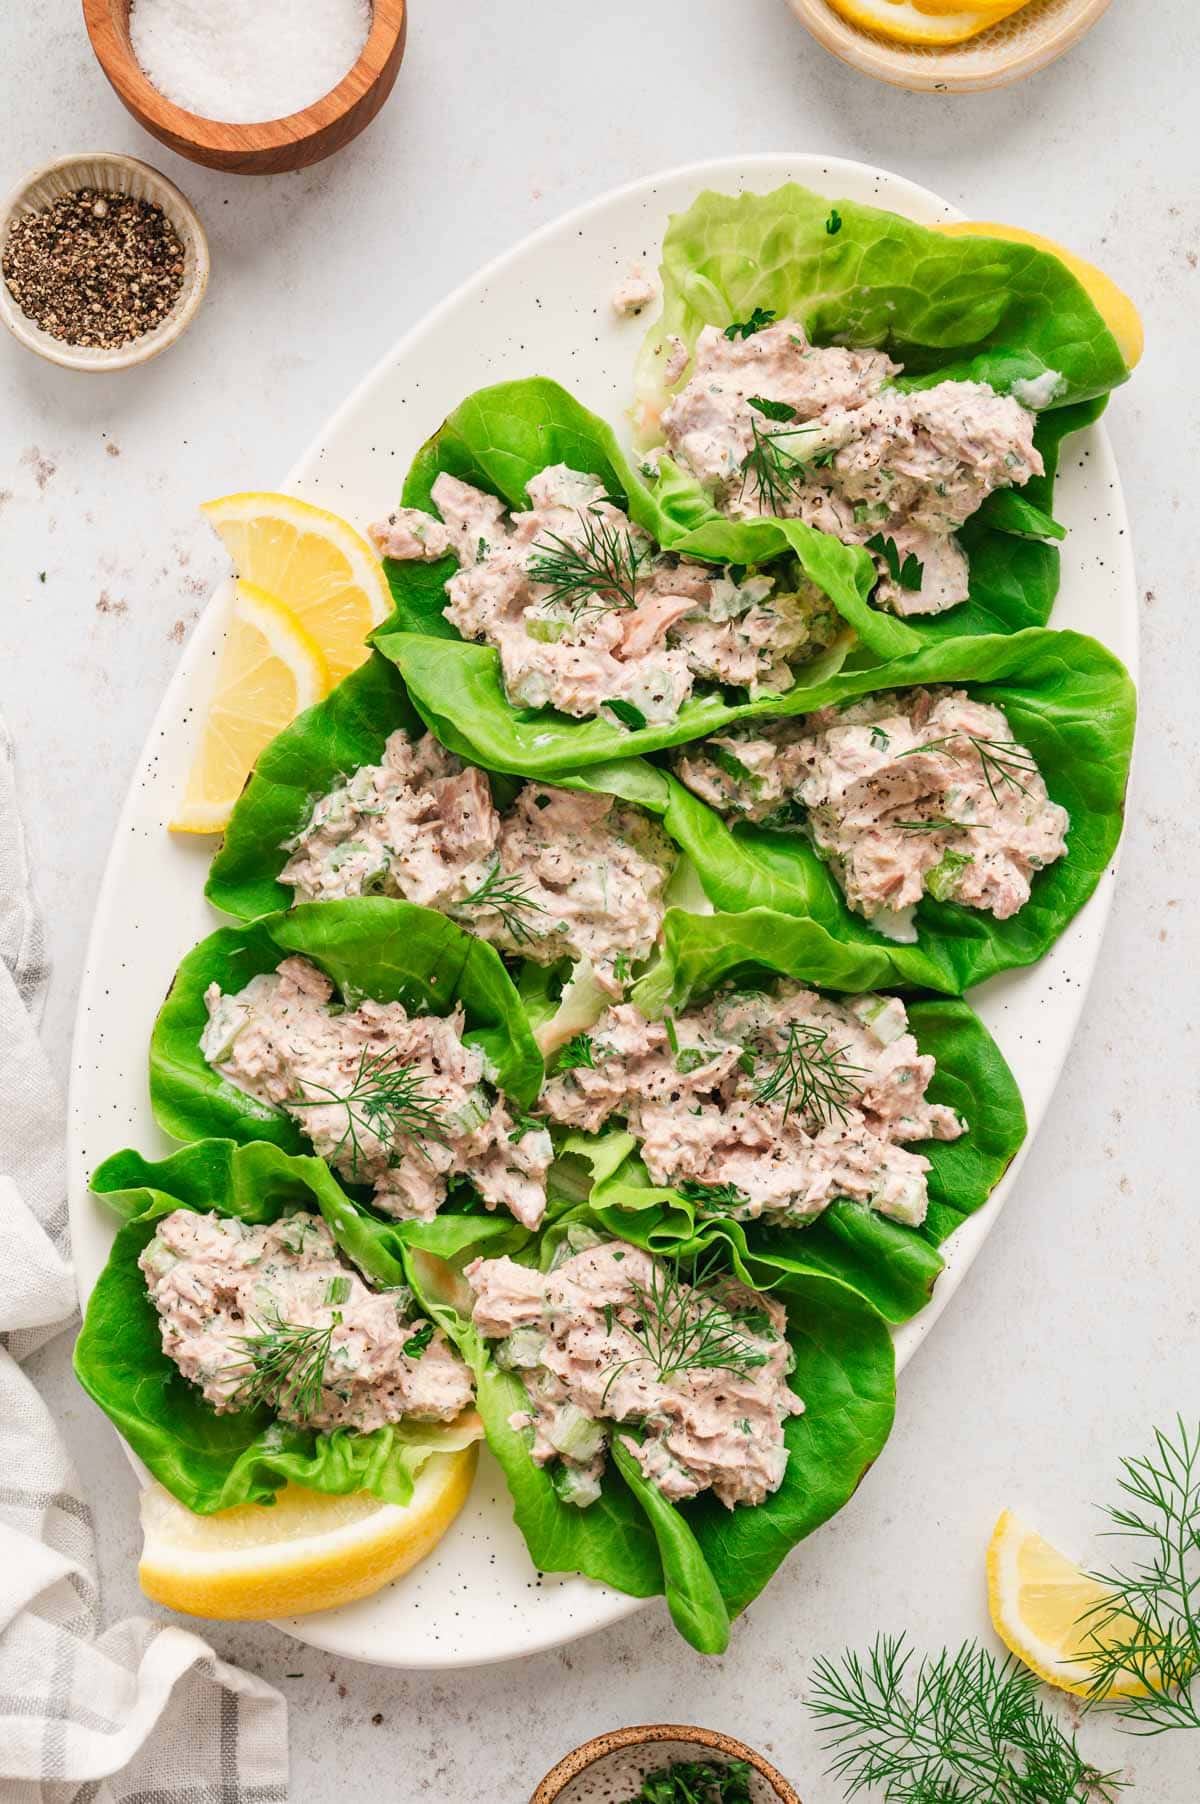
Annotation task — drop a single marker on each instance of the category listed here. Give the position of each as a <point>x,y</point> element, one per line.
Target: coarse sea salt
<point>243,62</point>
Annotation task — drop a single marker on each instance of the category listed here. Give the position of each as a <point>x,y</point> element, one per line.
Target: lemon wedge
<point>270,670</point>
<point>1111,303</point>
<point>312,561</point>
<point>926,22</point>
<point>309,1551</point>
<point>1039,1602</point>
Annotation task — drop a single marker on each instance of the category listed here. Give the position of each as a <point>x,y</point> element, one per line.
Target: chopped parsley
<point>771,410</point>
<point>746,328</point>
<point>696,1782</point>
<point>712,1196</point>
<point>578,1051</point>
<point>909,573</point>
<point>627,714</point>
<point>833,224</point>
<point>416,1343</point>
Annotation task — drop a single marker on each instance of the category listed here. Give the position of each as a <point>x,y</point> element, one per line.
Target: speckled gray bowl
<point>610,1768</point>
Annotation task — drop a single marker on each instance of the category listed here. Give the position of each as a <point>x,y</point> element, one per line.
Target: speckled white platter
<point>542,309</point>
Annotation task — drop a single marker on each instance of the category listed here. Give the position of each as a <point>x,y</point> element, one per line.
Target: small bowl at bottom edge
<point>610,1768</point>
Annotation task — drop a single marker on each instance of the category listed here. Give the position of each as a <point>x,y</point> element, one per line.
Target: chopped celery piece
<point>942,881</point>
<point>575,1435</point>
<point>520,1350</point>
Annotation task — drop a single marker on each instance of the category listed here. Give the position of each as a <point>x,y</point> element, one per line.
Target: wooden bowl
<point>610,1768</point>
<point>1018,46</point>
<point>280,144</point>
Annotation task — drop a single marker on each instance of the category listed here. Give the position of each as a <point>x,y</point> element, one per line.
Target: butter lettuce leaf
<point>210,1461</point>
<point>968,308</point>
<point>710,1562</point>
<point>1068,699</point>
<point>894,1266</point>
<point>371,946</point>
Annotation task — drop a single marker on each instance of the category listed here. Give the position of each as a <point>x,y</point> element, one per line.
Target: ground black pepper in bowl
<point>95,269</point>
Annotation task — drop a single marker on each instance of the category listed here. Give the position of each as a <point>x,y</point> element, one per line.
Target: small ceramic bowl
<point>1016,47</point>
<point>110,174</point>
<point>610,1768</point>
<point>265,149</point>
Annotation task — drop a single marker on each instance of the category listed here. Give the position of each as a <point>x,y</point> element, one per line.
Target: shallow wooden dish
<point>1018,46</point>
<point>611,1767</point>
<point>280,144</point>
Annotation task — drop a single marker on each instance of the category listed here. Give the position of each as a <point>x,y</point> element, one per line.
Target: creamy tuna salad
<point>922,792</point>
<point>771,424</point>
<point>273,1315</point>
<point>396,1101</point>
<point>611,1336</point>
<point>590,618</point>
<point>558,875</point>
<point>764,1104</point>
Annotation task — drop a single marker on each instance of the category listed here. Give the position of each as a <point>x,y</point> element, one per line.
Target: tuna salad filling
<point>771,424</point>
<point>769,1104</point>
<point>558,875</point>
<point>589,617</point>
<point>273,1315</point>
<point>612,1337</point>
<point>397,1102</point>
<point>922,792</point>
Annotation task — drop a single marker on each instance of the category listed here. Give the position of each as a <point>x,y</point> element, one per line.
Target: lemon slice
<point>1039,1602</point>
<point>314,563</point>
<point>924,21</point>
<point>309,1551</point>
<point>1112,303</point>
<point>269,671</point>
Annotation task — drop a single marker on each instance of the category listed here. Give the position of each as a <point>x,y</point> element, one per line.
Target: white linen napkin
<point>143,1712</point>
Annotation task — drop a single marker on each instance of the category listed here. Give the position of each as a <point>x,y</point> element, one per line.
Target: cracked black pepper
<point>95,269</point>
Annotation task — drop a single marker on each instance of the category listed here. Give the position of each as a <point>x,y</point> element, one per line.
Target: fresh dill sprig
<point>284,1365</point>
<point>385,1099</point>
<point>598,570</point>
<point>1148,1625</point>
<point>1004,761</point>
<point>812,1077</point>
<point>778,473</point>
<point>962,1728</point>
<point>679,1329</point>
<point>508,895</point>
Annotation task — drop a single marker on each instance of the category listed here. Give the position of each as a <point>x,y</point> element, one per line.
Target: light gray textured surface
<point>1077,1327</point>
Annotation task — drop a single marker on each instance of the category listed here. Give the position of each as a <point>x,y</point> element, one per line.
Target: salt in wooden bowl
<point>294,142</point>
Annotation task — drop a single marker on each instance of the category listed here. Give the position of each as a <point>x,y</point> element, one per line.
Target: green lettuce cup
<point>369,947</point>
<point>499,437</point>
<point>1066,698</point>
<point>710,1562</point>
<point>891,1264</point>
<point>212,1461</point>
<point>946,307</point>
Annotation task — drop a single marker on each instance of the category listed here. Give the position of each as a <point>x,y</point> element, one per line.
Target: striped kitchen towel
<point>142,1712</point>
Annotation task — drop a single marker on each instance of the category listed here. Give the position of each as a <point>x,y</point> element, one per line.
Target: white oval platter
<point>543,309</point>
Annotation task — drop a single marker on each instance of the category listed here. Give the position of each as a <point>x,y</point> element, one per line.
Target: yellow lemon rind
<point>257,1583</point>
